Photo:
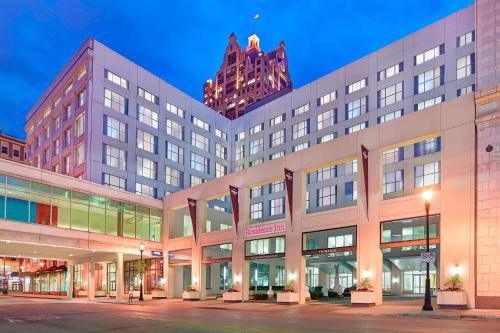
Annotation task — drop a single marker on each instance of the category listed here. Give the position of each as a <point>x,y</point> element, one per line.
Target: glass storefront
<point>179,262</point>
<point>219,214</point>
<point>152,274</point>
<point>216,260</point>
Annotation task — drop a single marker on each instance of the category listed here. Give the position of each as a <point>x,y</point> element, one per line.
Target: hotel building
<point>425,108</point>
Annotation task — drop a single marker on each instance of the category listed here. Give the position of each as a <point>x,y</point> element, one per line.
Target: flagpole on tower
<point>256,16</point>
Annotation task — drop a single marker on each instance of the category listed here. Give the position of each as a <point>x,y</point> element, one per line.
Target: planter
<point>288,298</point>
<point>82,293</point>
<point>190,295</point>
<point>232,297</point>
<point>100,293</point>
<point>112,293</point>
<point>452,299</point>
<point>308,295</point>
<point>159,293</point>
<point>362,298</point>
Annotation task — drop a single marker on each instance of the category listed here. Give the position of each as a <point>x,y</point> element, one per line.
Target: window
<point>146,141</point>
<point>220,170</point>
<point>356,86</point>
<point>277,206</point>
<point>256,162</point>
<point>114,181</point>
<point>145,190</point>
<point>393,155</point>
<point>428,103</point>
<point>301,109</point>
<point>300,129</point>
<point>240,152</point>
<point>466,90</point>
<point>393,181</point>
<point>67,163</point>
<point>277,186</point>
<point>116,79</point>
<point>200,123</point>
<point>428,146</point>
<point>256,191</point>
<point>351,191</point>
<point>199,141</point>
<point>429,54</point>
<point>429,80</point>
<point>327,196</point>
<point>239,136</point>
<point>57,147</point>
<point>327,119</point>
<point>115,157</point>
<point>427,174</point>
<point>277,138</point>
<point>326,173</point>
<point>300,147</point>
<point>147,95</point>
<point>67,112</point>
<point>466,38</point>
<point>80,154</point>
<point>82,97</point>
<point>256,146</point>
<point>175,153</point>
<point>115,101</point>
<point>57,123</point>
<point>147,116</point>
<point>256,129</point>
<point>81,73</point>
<point>465,66</point>
<point>221,151</point>
<point>173,177</point>
<point>356,128</point>
<point>390,95</point>
<point>277,120</point>
<point>196,181</point>
<point>327,137</point>
<point>200,163</point>
<point>67,137</point>
<point>256,211</point>
<point>390,71</point>
<point>220,134</point>
<point>174,109</point>
<point>355,108</point>
<point>351,167</point>
<point>175,129</point>
<point>389,116</point>
<point>330,97</point>
<point>146,167</point>
<point>277,155</point>
<point>115,129</point>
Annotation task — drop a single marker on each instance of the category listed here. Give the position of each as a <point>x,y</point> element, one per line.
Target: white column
<point>69,278</point>
<point>119,277</point>
<point>91,281</point>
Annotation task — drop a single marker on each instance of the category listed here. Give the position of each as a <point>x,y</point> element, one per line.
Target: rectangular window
<point>174,109</point>
<point>427,146</point>
<point>389,116</point>
<point>393,181</point>
<point>240,152</point>
<point>428,103</point>
<point>147,116</point>
<point>146,141</point>
<point>277,186</point>
<point>277,206</point>
<point>82,97</point>
<point>199,141</point>
<point>256,211</point>
<point>300,129</point>
<point>326,173</point>
<point>116,79</point>
<point>239,136</point>
<point>300,147</point>
<point>390,71</point>
<point>67,138</point>
<point>200,163</point>
<point>300,110</point>
<point>355,108</point>
<point>325,99</point>
<point>277,120</point>
<point>147,95</point>
<point>220,170</point>
<point>277,155</point>
<point>351,191</point>
<point>115,157</point>
<point>465,39</point>
<point>351,167</point>
<point>429,80</point>
<point>114,181</point>
<point>115,101</point>
<point>390,95</point>
<point>175,153</point>
<point>429,54</point>
<point>256,146</point>
<point>57,147</point>
<point>327,196</point>
<point>175,129</point>
<point>145,190</point>
<point>221,151</point>
<point>256,162</point>
<point>356,128</point>
<point>200,123</point>
<point>327,137</point>
<point>220,134</point>
<point>465,66</point>
<point>356,86</point>
<point>327,119</point>
<point>466,90</point>
<point>146,168</point>
<point>256,191</point>
<point>427,174</point>
<point>115,129</point>
<point>173,177</point>
<point>80,125</point>
<point>81,73</point>
<point>277,138</point>
<point>80,154</point>
<point>393,155</point>
<point>256,129</point>
<point>196,181</point>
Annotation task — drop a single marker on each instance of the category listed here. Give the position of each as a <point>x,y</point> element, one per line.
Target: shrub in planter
<point>332,294</point>
<point>453,284</point>
<point>260,296</point>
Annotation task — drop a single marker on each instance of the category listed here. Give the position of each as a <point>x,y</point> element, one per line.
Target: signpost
<point>428,257</point>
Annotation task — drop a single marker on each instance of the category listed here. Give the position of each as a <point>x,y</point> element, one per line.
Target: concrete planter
<point>82,293</point>
<point>135,293</point>
<point>287,298</point>
<point>190,295</point>
<point>232,297</point>
<point>362,298</point>
<point>452,299</point>
<point>159,293</point>
<point>112,293</point>
<point>100,293</point>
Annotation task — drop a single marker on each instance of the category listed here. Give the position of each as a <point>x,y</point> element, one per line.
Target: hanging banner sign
<point>233,192</point>
<point>364,156</point>
<point>289,190</point>
<point>192,212</point>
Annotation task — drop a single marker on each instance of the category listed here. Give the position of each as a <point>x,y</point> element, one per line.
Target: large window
<point>115,157</point>
<point>356,108</point>
<point>300,129</point>
<point>427,146</point>
<point>146,167</point>
<point>277,138</point>
<point>300,110</point>
<point>390,95</point>
<point>200,123</point>
<point>327,196</point>
<point>115,129</point>
<point>358,85</point>
<point>390,71</point>
<point>256,146</point>
<point>115,101</point>
<point>147,116</point>
<point>465,66</point>
<point>175,129</point>
<point>327,119</point>
<point>330,97</point>
<point>200,163</point>
<point>173,177</point>
<point>409,229</point>
<point>147,95</point>
<point>429,54</point>
<point>427,174</point>
<point>146,141</point>
<point>429,80</point>
<point>116,79</point>
<point>114,181</point>
<point>393,181</point>
<point>277,206</point>
<point>199,141</point>
<point>174,109</point>
<point>175,153</point>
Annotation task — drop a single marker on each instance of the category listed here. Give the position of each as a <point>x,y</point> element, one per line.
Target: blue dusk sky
<point>183,41</point>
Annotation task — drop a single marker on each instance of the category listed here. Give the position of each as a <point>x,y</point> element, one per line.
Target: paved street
<point>37,315</point>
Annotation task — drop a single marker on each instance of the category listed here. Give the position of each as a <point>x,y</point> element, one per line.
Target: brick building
<point>12,148</point>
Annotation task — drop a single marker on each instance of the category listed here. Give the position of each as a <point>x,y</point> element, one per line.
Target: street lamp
<point>141,249</point>
<point>427,195</point>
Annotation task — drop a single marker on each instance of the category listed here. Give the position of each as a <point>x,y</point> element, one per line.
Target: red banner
<point>192,212</point>
<point>233,192</point>
<point>364,156</point>
<point>289,190</point>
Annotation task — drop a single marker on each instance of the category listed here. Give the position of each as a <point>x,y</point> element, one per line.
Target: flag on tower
<point>256,16</point>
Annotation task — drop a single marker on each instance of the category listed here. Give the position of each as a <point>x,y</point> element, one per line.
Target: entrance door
<point>419,283</point>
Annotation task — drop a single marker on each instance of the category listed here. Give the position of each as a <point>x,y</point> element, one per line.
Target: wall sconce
<point>195,280</point>
<point>367,274</point>
<point>395,280</point>
<point>456,270</point>
<point>291,276</point>
<point>237,278</point>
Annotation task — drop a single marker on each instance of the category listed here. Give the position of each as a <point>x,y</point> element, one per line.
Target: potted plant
<point>364,294</point>
<point>190,294</point>
<point>81,291</point>
<point>288,295</point>
<point>232,295</point>
<point>158,292</point>
<point>453,296</point>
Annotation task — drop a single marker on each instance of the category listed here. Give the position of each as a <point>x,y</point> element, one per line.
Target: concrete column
<point>241,279</point>
<point>197,281</point>
<point>119,277</point>
<point>69,279</point>
<point>91,281</point>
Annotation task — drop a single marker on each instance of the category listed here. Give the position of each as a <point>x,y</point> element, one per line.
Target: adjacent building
<point>12,148</point>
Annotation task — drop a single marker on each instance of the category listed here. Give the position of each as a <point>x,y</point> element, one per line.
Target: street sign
<point>428,257</point>
<point>157,253</point>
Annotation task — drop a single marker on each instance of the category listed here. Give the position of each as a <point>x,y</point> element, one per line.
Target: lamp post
<point>427,195</point>
<point>141,249</point>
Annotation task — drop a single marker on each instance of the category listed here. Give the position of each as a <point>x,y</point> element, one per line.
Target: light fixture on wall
<point>395,280</point>
<point>237,278</point>
<point>456,270</point>
<point>291,276</point>
<point>367,274</point>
